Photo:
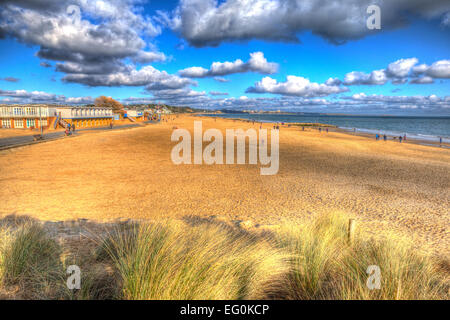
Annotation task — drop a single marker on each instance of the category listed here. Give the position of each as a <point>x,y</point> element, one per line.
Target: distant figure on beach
<point>404,137</point>
<point>400,139</point>
<point>384,137</point>
<point>326,130</point>
<point>303,128</point>
<point>377,137</point>
<point>73,128</point>
<point>110,125</point>
<point>354,129</point>
<point>440,141</point>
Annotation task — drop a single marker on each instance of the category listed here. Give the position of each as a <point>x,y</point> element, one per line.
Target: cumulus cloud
<point>376,77</point>
<point>129,76</point>
<point>211,22</point>
<point>257,63</point>
<point>87,38</point>
<point>401,68</point>
<point>148,57</point>
<point>295,86</point>
<point>422,80</point>
<point>439,69</point>
<point>23,96</point>
<point>400,72</point>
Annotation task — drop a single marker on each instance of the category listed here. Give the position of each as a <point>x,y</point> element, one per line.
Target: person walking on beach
<point>303,128</point>
<point>440,141</point>
<point>400,139</point>
<point>377,137</point>
<point>384,137</point>
<point>111,125</point>
<point>404,137</point>
<point>320,130</point>
<point>326,130</point>
<point>73,128</point>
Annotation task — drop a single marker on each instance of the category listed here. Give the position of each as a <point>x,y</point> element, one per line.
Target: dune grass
<point>204,259</point>
<point>172,260</point>
<point>29,260</point>
<point>325,266</point>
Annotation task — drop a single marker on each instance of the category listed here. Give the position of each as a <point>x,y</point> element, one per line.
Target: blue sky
<point>175,36</point>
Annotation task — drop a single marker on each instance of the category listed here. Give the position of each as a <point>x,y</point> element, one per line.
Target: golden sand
<point>386,186</point>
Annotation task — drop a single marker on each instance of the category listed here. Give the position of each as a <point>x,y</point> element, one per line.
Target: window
<point>18,123</point>
<point>30,111</point>
<point>6,123</point>
<point>30,123</point>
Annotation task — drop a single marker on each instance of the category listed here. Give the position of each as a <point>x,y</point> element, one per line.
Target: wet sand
<point>386,186</point>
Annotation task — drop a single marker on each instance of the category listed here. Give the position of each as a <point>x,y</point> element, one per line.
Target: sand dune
<point>387,186</point>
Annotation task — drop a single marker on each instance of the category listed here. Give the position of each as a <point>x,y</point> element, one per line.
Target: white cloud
<point>146,76</point>
<point>399,72</point>
<point>257,63</point>
<point>376,77</point>
<point>295,86</point>
<point>422,80</point>
<point>401,68</point>
<point>85,37</point>
<point>24,96</point>
<point>439,69</point>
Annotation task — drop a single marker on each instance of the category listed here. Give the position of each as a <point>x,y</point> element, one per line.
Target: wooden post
<point>351,230</point>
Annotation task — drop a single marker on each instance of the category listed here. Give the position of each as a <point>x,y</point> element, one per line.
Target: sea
<point>414,127</point>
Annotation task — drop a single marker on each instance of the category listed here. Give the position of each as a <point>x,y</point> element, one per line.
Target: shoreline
<point>362,132</point>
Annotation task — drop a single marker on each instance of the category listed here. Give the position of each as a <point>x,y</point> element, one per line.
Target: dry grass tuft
<point>326,266</point>
<point>29,262</point>
<point>174,261</point>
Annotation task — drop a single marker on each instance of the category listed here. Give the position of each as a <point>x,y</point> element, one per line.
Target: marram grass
<point>29,260</point>
<point>173,260</point>
<point>325,266</point>
<point>211,260</point>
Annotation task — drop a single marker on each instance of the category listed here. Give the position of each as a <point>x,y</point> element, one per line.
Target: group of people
<point>400,138</point>
<point>70,128</point>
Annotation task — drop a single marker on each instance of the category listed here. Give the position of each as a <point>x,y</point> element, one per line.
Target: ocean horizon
<point>415,127</point>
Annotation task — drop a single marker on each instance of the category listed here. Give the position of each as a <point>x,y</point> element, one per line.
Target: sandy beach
<point>386,186</point>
